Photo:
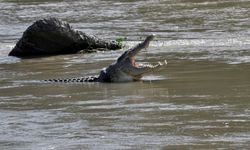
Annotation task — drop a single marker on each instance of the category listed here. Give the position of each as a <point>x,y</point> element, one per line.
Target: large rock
<point>53,37</point>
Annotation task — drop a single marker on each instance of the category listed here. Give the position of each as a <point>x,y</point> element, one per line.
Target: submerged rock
<point>54,37</point>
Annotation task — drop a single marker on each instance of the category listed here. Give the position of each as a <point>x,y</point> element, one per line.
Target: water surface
<point>199,101</point>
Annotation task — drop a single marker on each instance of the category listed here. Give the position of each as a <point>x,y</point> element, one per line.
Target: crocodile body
<point>123,70</point>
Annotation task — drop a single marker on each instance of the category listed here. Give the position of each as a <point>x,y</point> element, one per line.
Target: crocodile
<point>123,70</point>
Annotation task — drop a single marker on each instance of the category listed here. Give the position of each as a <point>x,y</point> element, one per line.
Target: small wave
<point>239,60</point>
<point>27,81</point>
<point>9,60</point>
<point>153,78</point>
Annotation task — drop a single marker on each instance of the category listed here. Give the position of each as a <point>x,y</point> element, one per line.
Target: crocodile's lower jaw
<point>150,65</point>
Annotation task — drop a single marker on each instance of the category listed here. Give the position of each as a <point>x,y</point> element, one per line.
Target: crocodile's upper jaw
<point>126,69</point>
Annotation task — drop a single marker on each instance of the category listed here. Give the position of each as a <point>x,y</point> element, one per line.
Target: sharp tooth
<point>160,63</point>
<point>166,62</point>
<point>141,65</point>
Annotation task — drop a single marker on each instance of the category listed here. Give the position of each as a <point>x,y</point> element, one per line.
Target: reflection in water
<point>199,101</point>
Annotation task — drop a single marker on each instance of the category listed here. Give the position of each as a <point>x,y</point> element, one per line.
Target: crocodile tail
<point>74,80</point>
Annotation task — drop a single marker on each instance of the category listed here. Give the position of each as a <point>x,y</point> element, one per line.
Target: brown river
<point>200,100</point>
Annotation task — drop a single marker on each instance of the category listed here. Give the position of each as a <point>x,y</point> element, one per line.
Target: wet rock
<point>54,37</point>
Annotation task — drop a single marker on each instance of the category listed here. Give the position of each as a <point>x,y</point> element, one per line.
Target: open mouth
<point>137,49</point>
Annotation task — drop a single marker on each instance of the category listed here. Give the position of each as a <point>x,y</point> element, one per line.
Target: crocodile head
<point>126,69</point>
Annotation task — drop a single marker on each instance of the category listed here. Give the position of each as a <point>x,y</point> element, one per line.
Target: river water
<point>201,100</point>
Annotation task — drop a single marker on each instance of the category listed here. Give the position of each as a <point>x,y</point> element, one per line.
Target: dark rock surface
<point>54,37</point>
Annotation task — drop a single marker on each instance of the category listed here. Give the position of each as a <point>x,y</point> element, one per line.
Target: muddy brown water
<point>201,100</point>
